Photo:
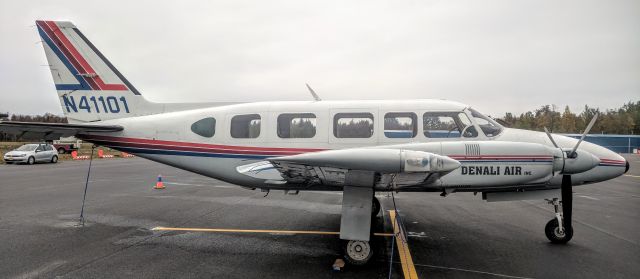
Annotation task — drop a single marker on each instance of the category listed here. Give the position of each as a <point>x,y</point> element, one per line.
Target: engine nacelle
<point>376,159</point>
<point>581,161</point>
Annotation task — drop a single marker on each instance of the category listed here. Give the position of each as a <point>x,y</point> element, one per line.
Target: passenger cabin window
<point>488,126</point>
<point>296,125</point>
<point>448,125</point>
<point>246,126</point>
<point>400,125</point>
<point>205,127</point>
<point>353,125</point>
<point>48,147</point>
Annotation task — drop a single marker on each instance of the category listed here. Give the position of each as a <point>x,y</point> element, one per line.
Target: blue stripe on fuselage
<point>254,156</point>
<point>135,150</point>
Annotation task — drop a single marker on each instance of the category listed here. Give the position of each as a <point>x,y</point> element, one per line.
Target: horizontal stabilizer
<point>52,131</point>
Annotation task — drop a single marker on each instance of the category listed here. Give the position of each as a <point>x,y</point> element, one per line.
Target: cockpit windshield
<point>488,126</point>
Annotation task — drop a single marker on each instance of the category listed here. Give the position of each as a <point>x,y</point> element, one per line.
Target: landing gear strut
<point>375,209</point>
<point>557,229</point>
<point>357,252</point>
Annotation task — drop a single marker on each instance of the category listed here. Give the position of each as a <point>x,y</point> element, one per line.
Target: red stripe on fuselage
<point>500,157</point>
<point>276,151</point>
<point>613,161</point>
<point>198,147</point>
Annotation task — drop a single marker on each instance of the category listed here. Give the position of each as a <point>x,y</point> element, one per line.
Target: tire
<point>375,208</point>
<point>553,234</point>
<point>62,150</point>
<point>54,159</point>
<point>357,252</point>
<point>31,160</point>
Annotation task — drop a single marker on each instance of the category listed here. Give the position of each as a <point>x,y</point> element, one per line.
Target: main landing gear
<point>357,252</point>
<point>558,230</point>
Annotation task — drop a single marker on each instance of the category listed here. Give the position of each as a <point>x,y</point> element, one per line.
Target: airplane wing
<point>391,167</point>
<point>52,131</point>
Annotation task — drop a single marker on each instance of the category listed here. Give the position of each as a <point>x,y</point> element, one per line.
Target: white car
<point>32,153</point>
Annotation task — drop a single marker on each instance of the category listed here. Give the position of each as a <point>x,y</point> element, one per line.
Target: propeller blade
<point>567,200</point>
<point>550,137</point>
<point>584,134</point>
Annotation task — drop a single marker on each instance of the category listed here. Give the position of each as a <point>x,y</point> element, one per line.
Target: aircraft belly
<point>218,168</point>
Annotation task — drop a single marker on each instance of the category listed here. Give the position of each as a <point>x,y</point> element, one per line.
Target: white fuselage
<point>169,138</point>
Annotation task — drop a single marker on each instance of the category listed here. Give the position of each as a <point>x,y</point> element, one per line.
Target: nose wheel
<point>358,252</point>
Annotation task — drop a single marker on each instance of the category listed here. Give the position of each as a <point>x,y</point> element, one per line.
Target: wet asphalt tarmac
<point>459,236</point>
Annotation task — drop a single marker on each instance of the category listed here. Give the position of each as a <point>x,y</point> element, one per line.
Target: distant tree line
<point>624,120</point>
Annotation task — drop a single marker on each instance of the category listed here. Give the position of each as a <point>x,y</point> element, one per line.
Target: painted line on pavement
<point>590,198</point>
<point>473,271</point>
<point>408,268</point>
<point>254,231</point>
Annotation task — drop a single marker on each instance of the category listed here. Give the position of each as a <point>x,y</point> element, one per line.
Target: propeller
<point>567,185</point>
<point>584,134</point>
<point>550,137</point>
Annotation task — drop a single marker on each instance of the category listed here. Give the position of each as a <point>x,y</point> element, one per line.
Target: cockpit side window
<point>488,126</point>
<point>448,125</point>
<point>205,127</point>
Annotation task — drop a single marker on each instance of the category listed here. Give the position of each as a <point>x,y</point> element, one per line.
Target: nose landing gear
<point>557,230</point>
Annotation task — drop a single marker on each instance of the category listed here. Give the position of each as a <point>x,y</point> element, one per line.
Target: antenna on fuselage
<point>313,93</point>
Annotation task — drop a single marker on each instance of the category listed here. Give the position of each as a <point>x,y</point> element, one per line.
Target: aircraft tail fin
<point>89,87</point>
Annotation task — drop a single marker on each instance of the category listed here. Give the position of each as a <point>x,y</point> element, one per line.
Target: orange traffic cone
<point>159,184</point>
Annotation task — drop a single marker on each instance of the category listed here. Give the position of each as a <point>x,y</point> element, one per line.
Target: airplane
<point>359,147</point>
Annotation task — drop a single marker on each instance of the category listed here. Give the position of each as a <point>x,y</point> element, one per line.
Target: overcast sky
<point>497,56</point>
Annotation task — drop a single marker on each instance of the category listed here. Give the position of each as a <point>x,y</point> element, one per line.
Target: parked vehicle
<point>32,153</point>
<point>65,148</point>
<point>67,145</point>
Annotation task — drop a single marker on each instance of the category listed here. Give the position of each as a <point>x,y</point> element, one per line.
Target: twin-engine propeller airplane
<point>358,147</point>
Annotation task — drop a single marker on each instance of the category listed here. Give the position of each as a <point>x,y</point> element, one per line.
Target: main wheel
<point>358,252</point>
<point>54,159</point>
<point>552,230</point>
<point>31,161</point>
<point>375,208</point>
<point>61,150</point>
